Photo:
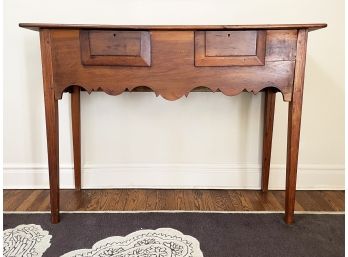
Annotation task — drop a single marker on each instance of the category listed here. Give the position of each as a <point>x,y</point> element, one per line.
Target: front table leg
<point>51,109</point>
<point>51,112</point>
<point>294,124</point>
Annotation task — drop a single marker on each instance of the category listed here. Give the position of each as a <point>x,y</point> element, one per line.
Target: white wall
<point>205,140</point>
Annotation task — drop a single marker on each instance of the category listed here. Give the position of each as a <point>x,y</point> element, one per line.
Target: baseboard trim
<point>172,176</point>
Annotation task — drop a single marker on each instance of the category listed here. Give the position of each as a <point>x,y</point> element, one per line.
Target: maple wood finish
<point>172,61</point>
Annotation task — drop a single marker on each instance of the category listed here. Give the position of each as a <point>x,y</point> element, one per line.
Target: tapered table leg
<point>76,134</point>
<point>270,96</point>
<point>294,124</point>
<point>51,112</point>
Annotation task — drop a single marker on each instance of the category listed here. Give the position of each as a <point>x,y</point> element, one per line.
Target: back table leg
<point>51,111</point>
<point>76,129</point>
<point>294,124</point>
<point>270,96</point>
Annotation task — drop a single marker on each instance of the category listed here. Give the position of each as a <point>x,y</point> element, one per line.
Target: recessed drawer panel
<point>230,48</point>
<point>115,48</point>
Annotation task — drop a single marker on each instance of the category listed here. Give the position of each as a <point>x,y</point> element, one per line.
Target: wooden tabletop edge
<point>38,26</point>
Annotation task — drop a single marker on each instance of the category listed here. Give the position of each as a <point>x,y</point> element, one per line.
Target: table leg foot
<point>289,218</point>
<point>55,217</point>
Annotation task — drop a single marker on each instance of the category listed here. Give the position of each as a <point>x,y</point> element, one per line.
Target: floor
<point>152,199</point>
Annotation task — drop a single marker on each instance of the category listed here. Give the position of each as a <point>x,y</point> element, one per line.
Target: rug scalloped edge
<point>137,234</point>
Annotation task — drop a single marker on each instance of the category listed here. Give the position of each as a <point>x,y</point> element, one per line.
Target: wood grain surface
<point>268,120</point>
<point>173,73</point>
<point>230,48</point>
<point>37,26</point>
<point>52,122</point>
<point>76,134</point>
<point>294,126</point>
<point>88,56</point>
<point>152,199</point>
<point>114,47</point>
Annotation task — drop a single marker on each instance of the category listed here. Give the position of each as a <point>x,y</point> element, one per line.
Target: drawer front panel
<point>115,43</point>
<point>231,43</point>
<point>115,48</point>
<point>230,48</point>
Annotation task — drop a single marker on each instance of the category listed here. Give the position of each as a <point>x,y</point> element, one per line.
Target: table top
<point>38,26</point>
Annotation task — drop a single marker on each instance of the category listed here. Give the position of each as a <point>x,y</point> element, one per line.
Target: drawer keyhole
<point>228,34</point>
<point>114,35</point>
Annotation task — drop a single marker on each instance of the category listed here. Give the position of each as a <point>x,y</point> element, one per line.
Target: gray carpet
<point>219,234</point>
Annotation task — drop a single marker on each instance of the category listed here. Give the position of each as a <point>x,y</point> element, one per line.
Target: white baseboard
<point>217,176</point>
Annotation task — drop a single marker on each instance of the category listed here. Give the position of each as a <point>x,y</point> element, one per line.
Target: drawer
<point>115,48</point>
<point>230,48</point>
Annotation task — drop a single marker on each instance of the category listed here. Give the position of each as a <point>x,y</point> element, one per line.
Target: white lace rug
<point>26,241</point>
<point>32,241</point>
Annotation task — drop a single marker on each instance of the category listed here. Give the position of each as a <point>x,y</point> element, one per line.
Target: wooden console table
<point>173,61</point>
